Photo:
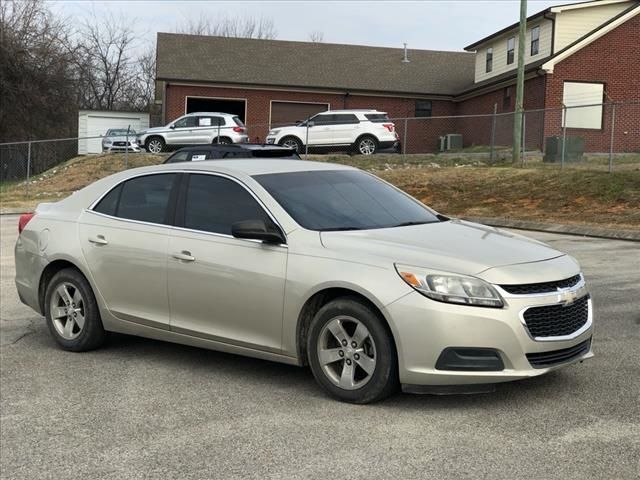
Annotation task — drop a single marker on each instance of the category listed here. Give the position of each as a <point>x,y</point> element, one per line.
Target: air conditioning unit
<point>450,141</point>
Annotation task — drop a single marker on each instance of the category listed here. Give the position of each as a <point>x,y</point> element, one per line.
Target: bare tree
<point>104,57</point>
<point>37,88</point>
<point>240,27</point>
<point>316,36</point>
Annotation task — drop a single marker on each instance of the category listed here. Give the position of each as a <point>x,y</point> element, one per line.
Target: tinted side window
<point>185,122</point>
<point>213,204</point>
<point>146,198</point>
<point>178,157</point>
<point>109,202</point>
<point>210,121</point>
<point>323,119</point>
<point>344,118</point>
<point>377,117</point>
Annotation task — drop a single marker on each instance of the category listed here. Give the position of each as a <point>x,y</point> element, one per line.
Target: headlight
<point>451,287</point>
<point>273,132</point>
<point>107,141</point>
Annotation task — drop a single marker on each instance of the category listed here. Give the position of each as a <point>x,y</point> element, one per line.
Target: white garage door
<point>98,125</point>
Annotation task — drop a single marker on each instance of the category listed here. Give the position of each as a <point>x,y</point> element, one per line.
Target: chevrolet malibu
<point>308,264</point>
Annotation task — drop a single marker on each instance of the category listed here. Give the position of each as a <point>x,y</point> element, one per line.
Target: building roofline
<point>543,13</point>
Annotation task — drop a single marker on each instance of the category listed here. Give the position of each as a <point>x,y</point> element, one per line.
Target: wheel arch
<point>320,298</point>
<point>50,270</point>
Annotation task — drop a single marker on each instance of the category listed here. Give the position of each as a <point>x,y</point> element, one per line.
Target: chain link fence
<point>600,136</point>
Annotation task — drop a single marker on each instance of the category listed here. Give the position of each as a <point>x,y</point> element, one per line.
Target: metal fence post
<point>613,130</point>
<point>306,141</point>
<point>126,149</point>
<point>524,136</point>
<point>493,133</point>
<point>28,168</point>
<point>404,140</point>
<point>218,139</point>
<point>564,135</point>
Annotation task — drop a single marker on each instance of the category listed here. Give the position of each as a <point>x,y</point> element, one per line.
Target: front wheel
<point>366,145</point>
<point>351,352</point>
<point>292,142</point>
<point>155,145</point>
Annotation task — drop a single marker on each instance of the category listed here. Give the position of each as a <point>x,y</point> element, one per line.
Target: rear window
<point>238,121</point>
<point>377,117</point>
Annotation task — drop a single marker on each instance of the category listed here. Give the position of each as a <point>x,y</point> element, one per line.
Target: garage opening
<point>223,105</point>
<point>288,113</point>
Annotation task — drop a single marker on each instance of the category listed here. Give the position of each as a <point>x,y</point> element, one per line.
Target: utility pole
<point>517,117</point>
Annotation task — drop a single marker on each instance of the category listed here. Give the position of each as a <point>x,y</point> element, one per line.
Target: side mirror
<point>310,124</point>
<point>298,122</point>
<point>257,230</point>
<point>172,127</point>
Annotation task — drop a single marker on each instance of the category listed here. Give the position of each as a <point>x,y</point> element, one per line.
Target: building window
<point>506,100</point>
<point>489,59</point>
<point>511,50</point>
<point>584,105</point>
<point>535,40</point>
<point>423,108</point>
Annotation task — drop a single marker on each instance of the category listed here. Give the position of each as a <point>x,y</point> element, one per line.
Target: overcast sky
<point>435,24</point>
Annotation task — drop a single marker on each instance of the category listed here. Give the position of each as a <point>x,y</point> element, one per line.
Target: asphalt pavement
<point>145,409</point>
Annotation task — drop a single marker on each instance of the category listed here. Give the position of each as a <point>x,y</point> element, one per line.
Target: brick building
<point>579,54</point>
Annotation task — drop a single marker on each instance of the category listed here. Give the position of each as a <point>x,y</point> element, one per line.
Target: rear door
<point>124,240</point>
<point>344,129</point>
<point>208,128</point>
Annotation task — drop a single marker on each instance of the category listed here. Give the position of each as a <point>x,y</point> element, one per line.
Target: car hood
<point>153,130</point>
<point>454,246</point>
<point>122,138</point>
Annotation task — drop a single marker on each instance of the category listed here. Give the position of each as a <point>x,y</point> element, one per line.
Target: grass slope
<point>581,194</point>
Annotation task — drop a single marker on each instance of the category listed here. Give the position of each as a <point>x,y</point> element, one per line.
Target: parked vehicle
<point>305,263</point>
<point>194,129</point>
<point>217,152</point>
<point>362,131</point>
<point>120,140</point>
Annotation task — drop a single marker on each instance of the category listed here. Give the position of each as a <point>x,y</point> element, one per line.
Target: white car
<point>364,131</point>
<point>194,129</point>
<point>120,140</point>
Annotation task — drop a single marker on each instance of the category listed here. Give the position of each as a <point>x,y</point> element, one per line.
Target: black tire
<point>92,334</point>
<point>152,142</point>
<point>366,145</point>
<point>383,382</point>
<point>222,141</point>
<point>292,142</point>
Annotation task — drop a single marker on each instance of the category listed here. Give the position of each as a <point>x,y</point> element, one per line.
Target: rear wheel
<point>351,352</point>
<point>72,313</point>
<point>155,145</point>
<point>366,145</point>
<point>291,142</point>
<point>222,141</point>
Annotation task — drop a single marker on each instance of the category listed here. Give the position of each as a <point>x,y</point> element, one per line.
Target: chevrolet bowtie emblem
<point>567,296</point>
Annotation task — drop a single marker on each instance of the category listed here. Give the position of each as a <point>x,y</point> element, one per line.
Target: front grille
<point>557,320</point>
<point>545,287</point>
<point>555,357</point>
<point>120,144</point>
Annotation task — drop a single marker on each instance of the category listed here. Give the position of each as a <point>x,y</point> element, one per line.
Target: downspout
<point>552,17</point>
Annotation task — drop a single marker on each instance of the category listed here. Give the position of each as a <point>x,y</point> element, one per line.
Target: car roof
<point>233,146</point>
<point>251,166</point>
<point>211,113</point>
<point>353,110</point>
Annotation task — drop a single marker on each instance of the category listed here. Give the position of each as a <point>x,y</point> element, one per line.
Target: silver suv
<point>363,131</point>
<point>194,129</point>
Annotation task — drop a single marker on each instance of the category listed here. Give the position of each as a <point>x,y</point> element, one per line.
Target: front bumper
<point>133,147</point>
<point>424,329</point>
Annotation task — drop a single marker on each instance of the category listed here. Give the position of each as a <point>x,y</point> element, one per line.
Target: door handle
<point>184,256</point>
<point>98,240</point>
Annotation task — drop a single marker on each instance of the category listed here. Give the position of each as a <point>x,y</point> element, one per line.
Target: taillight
<point>24,219</point>
<point>239,129</point>
<point>389,126</point>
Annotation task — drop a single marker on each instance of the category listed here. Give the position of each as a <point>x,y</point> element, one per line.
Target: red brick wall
<point>477,130</point>
<point>422,134</point>
<point>614,60</point>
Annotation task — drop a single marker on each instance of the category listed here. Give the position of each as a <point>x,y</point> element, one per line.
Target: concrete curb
<point>581,230</point>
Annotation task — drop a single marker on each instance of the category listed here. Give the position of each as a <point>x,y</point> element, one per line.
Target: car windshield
<point>343,200</point>
<point>120,132</point>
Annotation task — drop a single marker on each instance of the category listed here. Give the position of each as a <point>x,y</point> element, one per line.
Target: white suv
<point>364,131</point>
<point>194,129</point>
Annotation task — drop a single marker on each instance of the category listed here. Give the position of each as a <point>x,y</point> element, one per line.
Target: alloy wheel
<point>346,352</point>
<point>155,146</point>
<point>367,146</point>
<point>67,309</point>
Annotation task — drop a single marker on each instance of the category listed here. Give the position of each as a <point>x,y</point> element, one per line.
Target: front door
<point>181,131</point>
<point>220,287</point>
<point>124,240</point>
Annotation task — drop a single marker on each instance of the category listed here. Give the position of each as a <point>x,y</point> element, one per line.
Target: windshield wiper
<point>340,229</point>
<point>408,224</point>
